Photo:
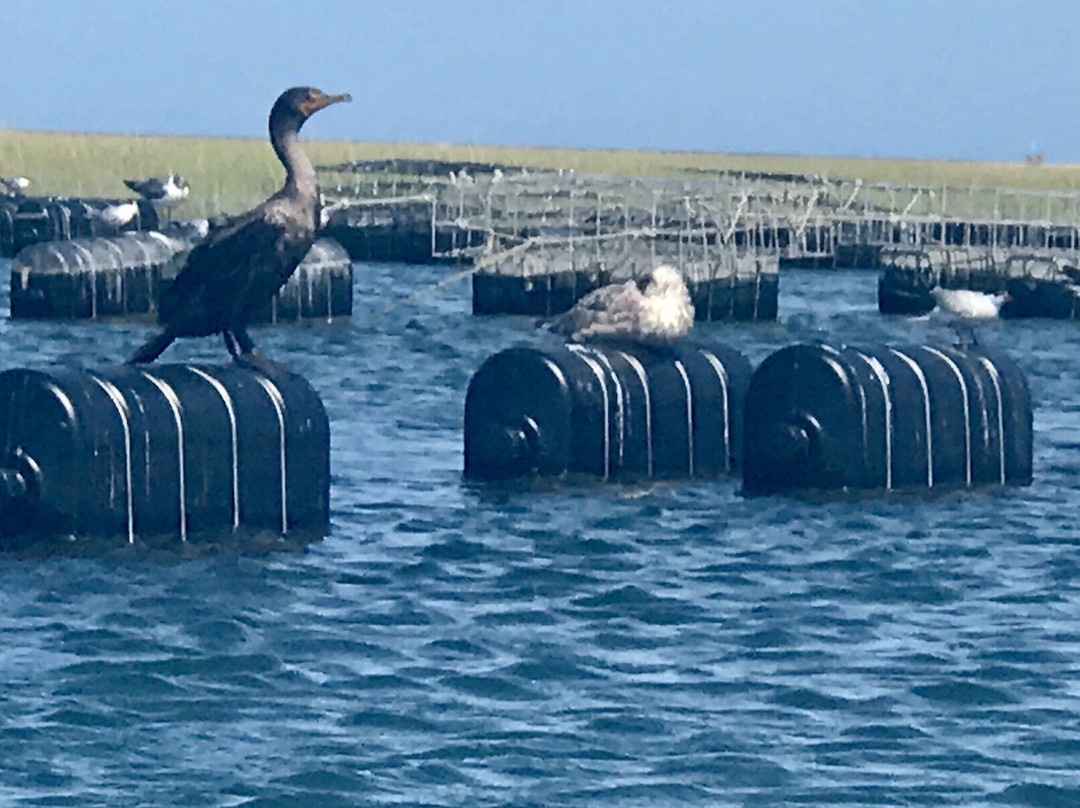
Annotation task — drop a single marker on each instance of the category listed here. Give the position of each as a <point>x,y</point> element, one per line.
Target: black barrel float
<point>160,452</point>
<point>124,276</point>
<point>904,284</point>
<point>93,277</point>
<point>886,418</point>
<point>606,411</point>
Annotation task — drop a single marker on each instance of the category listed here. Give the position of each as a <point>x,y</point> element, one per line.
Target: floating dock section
<point>469,211</point>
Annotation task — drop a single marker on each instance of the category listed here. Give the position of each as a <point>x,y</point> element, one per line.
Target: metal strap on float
<point>231,410</point>
<point>278,401</point>
<point>855,384</point>
<point>115,248</point>
<point>639,369</point>
<point>967,407</point>
<point>174,404</point>
<point>124,412</point>
<point>921,377</point>
<point>689,418</point>
<point>80,250</point>
<point>995,379</point>
<point>883,379</point>
<point>721,374</point>
<point>582,353</point>
<point>620,403</point>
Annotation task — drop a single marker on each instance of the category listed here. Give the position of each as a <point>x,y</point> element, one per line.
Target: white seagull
<point>661,315</point>
<point>161,193</point>
<point>968,304</point>
<point>119,214</point>
<point>15,185</point>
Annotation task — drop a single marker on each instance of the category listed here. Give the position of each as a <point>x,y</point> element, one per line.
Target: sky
<point>953,79</point>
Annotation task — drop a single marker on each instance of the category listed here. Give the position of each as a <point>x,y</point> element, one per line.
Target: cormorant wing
<point>227,273</point>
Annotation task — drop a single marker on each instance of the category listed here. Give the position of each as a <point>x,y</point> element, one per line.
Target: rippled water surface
<point>562,645</point>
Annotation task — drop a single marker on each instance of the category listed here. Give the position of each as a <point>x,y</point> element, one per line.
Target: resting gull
<point>161,193</point>
<point>119,214</point>
<point>968,304</point>
<point>15,185</point>
<point>661,315</point>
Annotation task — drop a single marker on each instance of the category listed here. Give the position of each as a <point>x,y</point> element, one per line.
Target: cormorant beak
<point>317,101</point>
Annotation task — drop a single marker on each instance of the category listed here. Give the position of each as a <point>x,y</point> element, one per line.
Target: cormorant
<point>240,265</point>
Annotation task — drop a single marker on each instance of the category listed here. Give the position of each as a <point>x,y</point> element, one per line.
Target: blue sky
<point>989,80</point>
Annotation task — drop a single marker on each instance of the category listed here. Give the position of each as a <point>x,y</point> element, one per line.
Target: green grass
<point>228,175</point>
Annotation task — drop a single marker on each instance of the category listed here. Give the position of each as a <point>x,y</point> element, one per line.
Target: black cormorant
<point>241,264</point>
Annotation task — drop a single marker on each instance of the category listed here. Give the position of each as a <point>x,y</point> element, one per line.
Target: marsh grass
<point>231,174</point>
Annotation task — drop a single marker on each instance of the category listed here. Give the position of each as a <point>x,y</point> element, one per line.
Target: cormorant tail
<point>152,348</point>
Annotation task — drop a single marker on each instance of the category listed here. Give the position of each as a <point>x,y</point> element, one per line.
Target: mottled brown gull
<point>659,316</point>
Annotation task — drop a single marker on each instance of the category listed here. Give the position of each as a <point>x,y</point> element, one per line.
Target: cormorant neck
<point>299,175</point>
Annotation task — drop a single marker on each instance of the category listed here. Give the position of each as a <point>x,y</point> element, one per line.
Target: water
<point>669,644</point>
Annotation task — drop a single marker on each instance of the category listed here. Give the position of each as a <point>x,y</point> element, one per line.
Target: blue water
<point>585,645</point>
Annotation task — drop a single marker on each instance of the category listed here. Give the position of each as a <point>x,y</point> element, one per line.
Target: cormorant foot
<point>257,360</point>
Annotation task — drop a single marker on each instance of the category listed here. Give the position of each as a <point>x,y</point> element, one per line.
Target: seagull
<point>119,214</point>
<point>160,193</point>
<point>968,304</point>
<point>659,316</point>
<point>15,185</point>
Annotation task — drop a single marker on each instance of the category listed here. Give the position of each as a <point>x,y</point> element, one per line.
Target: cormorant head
<point>300,103</point>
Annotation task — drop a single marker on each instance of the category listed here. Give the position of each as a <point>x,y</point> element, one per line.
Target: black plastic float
<point>399,230</point>
<point>905,282</point>
<point>1040,297</point>
<point>92,277</point>
<point>606,411</point>
<point>818,417</point>
<point>124,275</point>
<point>749,291</point>
<point>167,452</point>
